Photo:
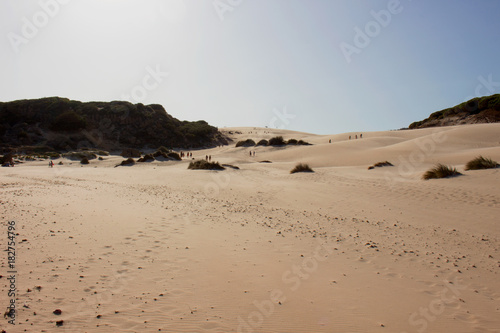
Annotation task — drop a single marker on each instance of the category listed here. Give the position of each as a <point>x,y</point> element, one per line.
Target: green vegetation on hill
<point>477,110</point>
<point>63,124</point>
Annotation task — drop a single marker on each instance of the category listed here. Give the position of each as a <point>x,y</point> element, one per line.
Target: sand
<point>157,247</point>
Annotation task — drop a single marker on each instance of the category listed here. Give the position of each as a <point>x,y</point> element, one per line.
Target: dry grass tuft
<point>480,163</point>
<point>301,167</point>
<point>440,171</point>
<point>380,164</point>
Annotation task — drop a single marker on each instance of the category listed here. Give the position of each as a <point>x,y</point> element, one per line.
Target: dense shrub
<point>277,141</point>
<point>164,150</point>
<point>263,142</point>
<point>174,155</point>
<point>146,158</point>
<point>246,143</point>
<point>158,153</point>
<point>205,165</point>
<point>129,161</point>
<point>68,121</point>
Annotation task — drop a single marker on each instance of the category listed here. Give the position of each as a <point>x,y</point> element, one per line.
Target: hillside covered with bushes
<point>63,124</point>
<point>475,111</point>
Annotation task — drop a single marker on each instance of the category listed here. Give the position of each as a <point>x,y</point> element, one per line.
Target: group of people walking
<point>350,137</point>
<point>356,136</point>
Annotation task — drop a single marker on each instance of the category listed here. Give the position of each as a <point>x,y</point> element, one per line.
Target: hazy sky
<point>320,66</point>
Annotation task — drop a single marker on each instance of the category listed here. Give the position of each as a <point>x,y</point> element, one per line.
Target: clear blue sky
<point>242,62</point>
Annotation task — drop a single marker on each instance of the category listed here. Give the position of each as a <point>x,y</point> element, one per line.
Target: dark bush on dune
<point>292,142</point>
<point>205,165</point>
<point>164,149</point>
<point>146,158</point>
<point>301,167</point>
<point>246,143</point>
<point>128,161</point>
<point>166,154</point>
<point>175,156</point>
<point>440,171</point>
<point>303,143</point>
<point>263,142</point>
<point>480,163</point>
<point>277,141</point>
<point>380,164</point>
<point>158,153</point>
<point>84,161</point>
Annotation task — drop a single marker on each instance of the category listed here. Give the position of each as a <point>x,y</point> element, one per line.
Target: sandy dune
<point>156,247</point>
